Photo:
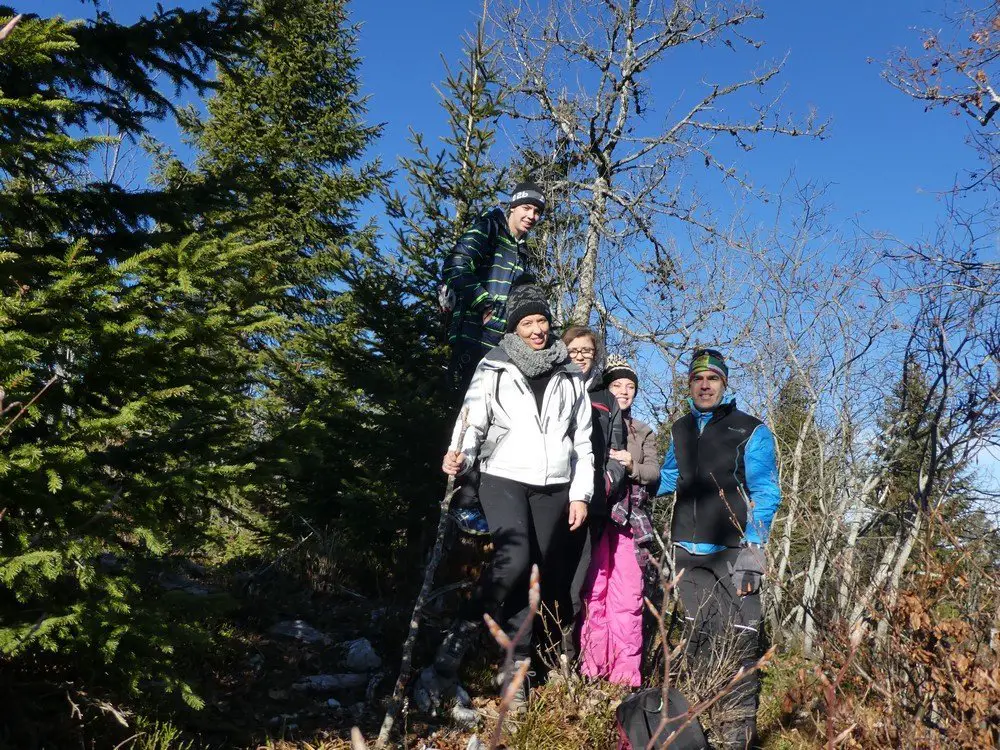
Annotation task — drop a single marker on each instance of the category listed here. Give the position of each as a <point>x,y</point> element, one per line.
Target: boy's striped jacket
<point>480,269</point>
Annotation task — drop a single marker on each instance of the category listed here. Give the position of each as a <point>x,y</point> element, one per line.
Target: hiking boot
<point>438,683</point>
<point>432,690</point>
<point>452,649</point>
<point>519,703</point>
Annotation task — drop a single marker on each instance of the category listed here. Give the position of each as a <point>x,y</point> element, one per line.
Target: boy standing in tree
<point>478,274</point>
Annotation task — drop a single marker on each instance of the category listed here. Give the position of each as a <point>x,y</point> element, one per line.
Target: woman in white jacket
<point>529,427</point>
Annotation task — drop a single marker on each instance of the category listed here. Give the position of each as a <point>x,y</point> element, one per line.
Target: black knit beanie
<point>524,300</point>
<point>527,192</point>
<point>619,367</point>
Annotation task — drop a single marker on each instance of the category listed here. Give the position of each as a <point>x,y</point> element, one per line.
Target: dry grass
<point>559,717</point>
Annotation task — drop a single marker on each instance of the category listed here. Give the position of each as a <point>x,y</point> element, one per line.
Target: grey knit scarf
<point>529,361</point>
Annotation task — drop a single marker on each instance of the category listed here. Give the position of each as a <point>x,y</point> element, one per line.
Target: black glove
<point>748,570</point>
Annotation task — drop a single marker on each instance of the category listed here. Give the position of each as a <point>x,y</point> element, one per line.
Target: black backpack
<point>640,714</point>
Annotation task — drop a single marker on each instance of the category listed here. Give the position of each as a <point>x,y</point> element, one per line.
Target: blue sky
<point>884,157</point>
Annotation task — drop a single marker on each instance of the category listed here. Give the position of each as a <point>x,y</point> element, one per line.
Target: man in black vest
<point>723,467</point>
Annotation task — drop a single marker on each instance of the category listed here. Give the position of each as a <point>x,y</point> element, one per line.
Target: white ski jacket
<point>512,440</point>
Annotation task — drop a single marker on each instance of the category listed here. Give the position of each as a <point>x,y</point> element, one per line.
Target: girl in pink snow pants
<point>611,633</point>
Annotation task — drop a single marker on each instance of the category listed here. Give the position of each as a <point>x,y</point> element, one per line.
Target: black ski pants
<point>524,520</point>
<point>562,584</point>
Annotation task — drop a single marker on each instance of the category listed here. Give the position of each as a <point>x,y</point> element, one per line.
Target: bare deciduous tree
<point>581,75</point>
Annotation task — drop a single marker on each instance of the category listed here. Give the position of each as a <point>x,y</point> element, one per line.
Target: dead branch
<point>411,638</point>
<point>514,679</point>
<point>6,428</point>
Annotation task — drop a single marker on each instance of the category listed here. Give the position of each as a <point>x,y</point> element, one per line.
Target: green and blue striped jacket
<point>480,269</point>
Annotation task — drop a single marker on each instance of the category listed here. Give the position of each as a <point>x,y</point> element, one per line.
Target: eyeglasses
<point>580,352</point>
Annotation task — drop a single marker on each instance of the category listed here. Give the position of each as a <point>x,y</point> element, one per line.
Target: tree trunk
<point>596,219</point>
<point>794,502</point>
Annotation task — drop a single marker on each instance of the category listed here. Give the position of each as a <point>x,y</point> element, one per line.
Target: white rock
<point>333,703</point>
<point>468,718</point>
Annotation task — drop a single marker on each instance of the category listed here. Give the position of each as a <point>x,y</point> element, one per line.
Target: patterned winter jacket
<point>480,269</point>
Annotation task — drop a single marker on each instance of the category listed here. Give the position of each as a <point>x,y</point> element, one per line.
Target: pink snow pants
<point>611,634</point>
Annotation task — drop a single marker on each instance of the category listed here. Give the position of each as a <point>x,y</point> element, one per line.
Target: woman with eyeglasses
<point>569,569</point>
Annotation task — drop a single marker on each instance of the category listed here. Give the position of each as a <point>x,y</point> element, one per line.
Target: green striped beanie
<point>708,359</point>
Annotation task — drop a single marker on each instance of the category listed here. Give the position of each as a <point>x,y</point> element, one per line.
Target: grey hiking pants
<point>723,631</point>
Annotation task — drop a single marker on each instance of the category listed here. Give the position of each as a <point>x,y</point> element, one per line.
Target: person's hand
<point>748,570</point>
<point>624,458</point>
<point>577,514</point>
<point>487,314</point>
<point>453,463</point>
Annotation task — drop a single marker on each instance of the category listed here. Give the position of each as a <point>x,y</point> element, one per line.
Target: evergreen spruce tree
<point>131,331</point>
<point>285,138</point>
<point>407,413</point>
<point>953,512</point>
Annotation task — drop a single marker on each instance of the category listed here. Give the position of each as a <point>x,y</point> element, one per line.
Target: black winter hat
<point>527,192</point>
<point>619,367</point>
<point>526,299</point>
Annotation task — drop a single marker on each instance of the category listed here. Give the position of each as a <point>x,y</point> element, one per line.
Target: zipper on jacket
<point>553,384</point>
<point>548,392</point>
<point>542,427</point>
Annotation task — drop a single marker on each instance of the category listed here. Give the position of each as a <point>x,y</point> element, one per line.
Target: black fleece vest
<point>710,508</point>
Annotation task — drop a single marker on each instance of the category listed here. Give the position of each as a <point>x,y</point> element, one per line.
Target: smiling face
<point>623,389</point>
<point>522,218</point>
<point>707,387</point>
<point>534,329</point>
<point>582,351</point>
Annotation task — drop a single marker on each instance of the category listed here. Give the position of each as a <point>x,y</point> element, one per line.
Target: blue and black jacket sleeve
<point>668,473</point>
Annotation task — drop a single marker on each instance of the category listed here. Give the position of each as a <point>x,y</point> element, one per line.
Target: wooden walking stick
<point>404,668</point>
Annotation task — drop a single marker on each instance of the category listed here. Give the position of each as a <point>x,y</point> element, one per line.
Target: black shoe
<point>452,649</point>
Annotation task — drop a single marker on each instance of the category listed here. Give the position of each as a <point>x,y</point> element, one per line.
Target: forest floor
<point>256,700</point>
<point>293,619</point>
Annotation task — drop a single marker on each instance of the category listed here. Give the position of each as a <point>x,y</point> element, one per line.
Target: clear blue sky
<point>883,157</point>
